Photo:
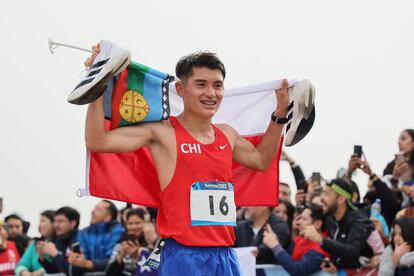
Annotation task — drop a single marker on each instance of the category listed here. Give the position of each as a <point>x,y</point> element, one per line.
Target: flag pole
<point>53,45</point>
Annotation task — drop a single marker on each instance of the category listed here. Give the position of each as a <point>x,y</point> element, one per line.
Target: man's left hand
<point>282,98</point>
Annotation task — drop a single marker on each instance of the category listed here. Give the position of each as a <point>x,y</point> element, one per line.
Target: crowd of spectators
<point>327,226</point>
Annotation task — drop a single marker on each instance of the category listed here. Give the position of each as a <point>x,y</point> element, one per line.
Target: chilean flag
<point>131,177</point>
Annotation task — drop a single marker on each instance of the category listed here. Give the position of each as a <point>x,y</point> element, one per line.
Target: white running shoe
<point>110,61</point>
<point>301,112</point>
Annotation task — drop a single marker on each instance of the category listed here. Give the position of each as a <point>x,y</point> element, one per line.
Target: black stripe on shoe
<point>288,127</point>
<point>93,73</point>
<point>290,106</point>
<point>100,63</point>
<point>83,83</point>
<point>290,116</point>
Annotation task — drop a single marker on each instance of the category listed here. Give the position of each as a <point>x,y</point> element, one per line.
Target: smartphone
<point>38,239</point>
<point>358,150</point>
<point>326,263</point>
<point>316,176</point>
<point>399,157</point>
<point>75,247</point>
<point>131,237</point>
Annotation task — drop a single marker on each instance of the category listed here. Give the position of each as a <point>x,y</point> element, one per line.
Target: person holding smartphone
<point>126,253</point>
<point>29,263</point>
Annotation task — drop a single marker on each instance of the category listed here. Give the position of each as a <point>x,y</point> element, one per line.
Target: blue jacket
<point>97,242</point>
<point>310,262</point>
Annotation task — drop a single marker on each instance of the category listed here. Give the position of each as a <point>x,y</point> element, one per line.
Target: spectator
<point>348,230</point>
<point>9,256</point>
<point>125,254</point>
<point>284,191</point>
<point>398,257</point>
<point>389,203</point>
<point>16,231</point>
<point>30,260</point>
<point>53,254</point>
<point>306,255</point>
<point>99,239</point>
<point>250,232</point>
<point>285,211</point>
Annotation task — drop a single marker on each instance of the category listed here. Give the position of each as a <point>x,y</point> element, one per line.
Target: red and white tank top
<point>195,162</point>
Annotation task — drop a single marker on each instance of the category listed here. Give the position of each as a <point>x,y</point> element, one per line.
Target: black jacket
<point>347,239</point>
<point>245,237</point>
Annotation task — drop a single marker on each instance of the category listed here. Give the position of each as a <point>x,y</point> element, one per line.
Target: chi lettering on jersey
<point>190,148</point>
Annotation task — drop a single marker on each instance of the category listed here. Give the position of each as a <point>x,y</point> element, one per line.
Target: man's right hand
<point>89,61</point>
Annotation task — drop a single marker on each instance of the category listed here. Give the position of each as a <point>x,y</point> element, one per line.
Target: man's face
<point>99,213</point>
<point>202,92</point>
<point>62,225</point>
<point>284,192</point>
<point>15,227</point>
<point>281,212</point>
<point>329,201</point>
<point>305,220</point>
<point>257,212</point>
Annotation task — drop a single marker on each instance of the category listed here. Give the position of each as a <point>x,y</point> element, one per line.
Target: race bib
<point>212,203</point>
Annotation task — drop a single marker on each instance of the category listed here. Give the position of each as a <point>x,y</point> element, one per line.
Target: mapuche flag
<point>131,177</point>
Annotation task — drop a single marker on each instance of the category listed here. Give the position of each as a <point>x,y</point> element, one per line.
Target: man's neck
<point>198,127</point>
<point>339,214</point>
<point>260,221</point>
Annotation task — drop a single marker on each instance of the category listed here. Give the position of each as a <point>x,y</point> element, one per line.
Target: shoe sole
<point>94,91</point>
<point>303,112</point>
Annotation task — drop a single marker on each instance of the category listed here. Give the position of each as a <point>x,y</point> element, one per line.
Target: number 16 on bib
<point>212,203</point>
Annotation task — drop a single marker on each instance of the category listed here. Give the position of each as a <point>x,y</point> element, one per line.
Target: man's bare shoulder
<point>229,131</point>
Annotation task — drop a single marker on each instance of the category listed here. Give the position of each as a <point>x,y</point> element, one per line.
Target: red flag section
<point>131,177</point>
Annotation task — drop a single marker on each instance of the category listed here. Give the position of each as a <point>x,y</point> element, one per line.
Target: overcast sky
<point>359,55</point>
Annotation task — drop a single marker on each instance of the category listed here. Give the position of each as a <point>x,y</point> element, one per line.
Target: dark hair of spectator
<point>25,224</point>
<point>136,212</point>
<point>70,213</point>
<point>49,214</point>
<point>407,230</point>
<point>113,211</point>
<point>185,65</point>
<point>316,212</point>
<point>290,210</point>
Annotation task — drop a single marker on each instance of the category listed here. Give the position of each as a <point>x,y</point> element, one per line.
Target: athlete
<point>193,160</point>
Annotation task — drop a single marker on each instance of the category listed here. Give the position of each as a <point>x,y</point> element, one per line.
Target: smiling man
<point>193,160</point>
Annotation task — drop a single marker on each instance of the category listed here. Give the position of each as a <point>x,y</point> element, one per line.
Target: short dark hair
<point>70,213</point>
<point>316,213</point>
<point>113,211</point>
<point>13,216</point>
<point>137,212</point>
<point>185,65</point>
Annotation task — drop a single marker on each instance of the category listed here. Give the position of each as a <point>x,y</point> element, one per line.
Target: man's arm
<point>261,156</point>
<point>118,140</point>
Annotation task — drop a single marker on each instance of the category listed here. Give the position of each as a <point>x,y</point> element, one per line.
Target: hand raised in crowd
<point>328,267</point>
<point>48,248</point>
<point>89,61</point>
<point>400,168</point>
<point>150,234</point>
<point>353,164</point>
<point>399,251</point>
<point>300,197</point>
<point>378,227</point>
<point>79,260</point>
<point>129,248</point>
<point>310,233</point>
<point>270,238</point>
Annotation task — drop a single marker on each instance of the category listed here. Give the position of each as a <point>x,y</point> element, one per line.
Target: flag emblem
<point>133,107</point>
